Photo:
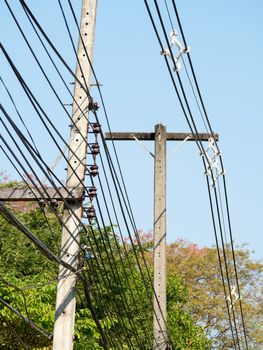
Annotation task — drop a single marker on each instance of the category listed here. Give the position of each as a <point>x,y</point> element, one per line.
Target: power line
<point>6,322</point>
<point>32,169</point>
<point>179,79</point>
<point>221,160</point>
<point>52,46</point>
<point>28,321</point>
<point>100,257</point>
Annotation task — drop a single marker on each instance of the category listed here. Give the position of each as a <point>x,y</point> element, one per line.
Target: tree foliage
<point>196,303</point>
<point>199,270</point>
<point>120,303</point>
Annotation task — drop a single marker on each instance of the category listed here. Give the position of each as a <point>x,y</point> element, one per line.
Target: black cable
<point>191,65</point>
<point>226,265</point>
<point>93,312</point>
<point>84,47</point>
<point>149,12</point>
<point>26,9</point>
<point>51,256</point>
<point>169,15</point>
<point>31,169</point>
<point>116,273</point>
<point>46,125</point>
<point>8,284</point>
<point>186,70</point>
<point>37,242</point>
<point>197,138</point>
<point>195,97</point>
<point>18,113</point>
<point>79,108</point>
<point>115,239</point>
<point>235,266</point>
<point>191,117</point>
<point>41,68</point>
<point>39,109</point>
<point>98,250</point>
<point>31,49</point>
<point>12,330</point>
<point>108,124</point>
<point>28,321</point>
<point>100,232</point>
<point>121,234</point>
<point>47,200</point>
<point>132,243</point>
<point>219,259</point>
<point>37,106</point>
<point>28,164</point>
<point>22,155</point>
<point>210,127</point>
<point>40,286</point>
<point>223,221</point>
<point>86,53</point>
<point>171,76</point>
<point>31,138</point>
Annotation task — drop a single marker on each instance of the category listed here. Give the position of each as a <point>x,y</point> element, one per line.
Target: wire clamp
<point>233,298</point>
<point>182,50</point>
<point>211,156</point>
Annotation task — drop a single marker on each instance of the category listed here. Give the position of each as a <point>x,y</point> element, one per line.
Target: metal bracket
<point>211,156</point>
<point>182,50</point>
<point>142,145</point>
<point>178,146</point>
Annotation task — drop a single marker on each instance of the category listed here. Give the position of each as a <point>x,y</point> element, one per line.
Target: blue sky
<point>227,51</point>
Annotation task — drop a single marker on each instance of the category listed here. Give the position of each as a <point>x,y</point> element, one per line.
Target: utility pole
<point>66,293</point>
<point>159,249</point>
<point>63,336</point>
<point>160,137</point>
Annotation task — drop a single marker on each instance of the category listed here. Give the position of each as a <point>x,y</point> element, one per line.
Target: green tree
<point>199,271</point>
<point>22,265</point>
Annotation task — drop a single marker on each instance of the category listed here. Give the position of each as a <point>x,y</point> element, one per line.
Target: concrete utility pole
<point>66,299</point>
<point>160,136</point>
<point>159,229</point>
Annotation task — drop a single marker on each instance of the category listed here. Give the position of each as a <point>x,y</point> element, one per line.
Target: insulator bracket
<point>182,50</point>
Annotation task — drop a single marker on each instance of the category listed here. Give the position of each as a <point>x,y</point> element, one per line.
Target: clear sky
<point>227,51</point>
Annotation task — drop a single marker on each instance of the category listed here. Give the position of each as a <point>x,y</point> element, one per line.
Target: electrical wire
<point>221,160</point>
<point>23,2</point>
<point>158,11</point>
<point>6,322</point>
<point>28,321</point>
<point>94,253</point>
<point>124,303</point>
